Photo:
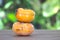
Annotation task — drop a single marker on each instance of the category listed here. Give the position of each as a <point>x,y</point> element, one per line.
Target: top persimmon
<point>25,15</point>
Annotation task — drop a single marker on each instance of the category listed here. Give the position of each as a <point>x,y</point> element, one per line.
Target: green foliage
<point>50,8</point>
<point>1,25</point>
<point>11,17</point>
<point>44,13</point>
<point>8,4</point>
<point>35,4</point>
<point>58,21</point>
<point>2,13</point>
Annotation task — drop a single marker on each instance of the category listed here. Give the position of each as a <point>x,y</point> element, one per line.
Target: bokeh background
<point>47,13</point>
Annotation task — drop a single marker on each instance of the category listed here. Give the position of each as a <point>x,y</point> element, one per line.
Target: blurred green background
<point>47,13</point>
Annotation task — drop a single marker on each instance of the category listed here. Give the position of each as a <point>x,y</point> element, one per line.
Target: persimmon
<point>25,15</point>
<point>23,28</point>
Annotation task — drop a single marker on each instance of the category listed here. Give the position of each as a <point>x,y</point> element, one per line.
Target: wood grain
<point>37,35</point>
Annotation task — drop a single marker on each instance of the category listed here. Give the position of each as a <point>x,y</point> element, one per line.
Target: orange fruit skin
<point>25,15</point>
<point>23,28</point>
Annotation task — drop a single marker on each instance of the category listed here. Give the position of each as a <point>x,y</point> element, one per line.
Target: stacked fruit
<point>24,26</point>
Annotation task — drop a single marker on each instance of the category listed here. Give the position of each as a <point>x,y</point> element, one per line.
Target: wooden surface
<point>37,35</point>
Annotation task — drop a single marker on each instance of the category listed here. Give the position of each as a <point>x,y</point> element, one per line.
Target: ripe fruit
<point>23,28</point>
<point>25,15</point>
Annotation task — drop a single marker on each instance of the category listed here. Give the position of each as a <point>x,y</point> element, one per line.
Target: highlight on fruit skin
<point>23,28</point>
<point>25,15</point>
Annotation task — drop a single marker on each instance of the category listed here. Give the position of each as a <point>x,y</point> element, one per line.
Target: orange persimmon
<point>23,28</point>
<point>25,15</point>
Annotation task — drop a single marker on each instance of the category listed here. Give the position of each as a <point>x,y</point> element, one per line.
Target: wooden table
<point>37,35</point>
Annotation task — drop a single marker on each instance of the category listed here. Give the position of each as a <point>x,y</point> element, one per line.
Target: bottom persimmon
<point>23,28</point>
